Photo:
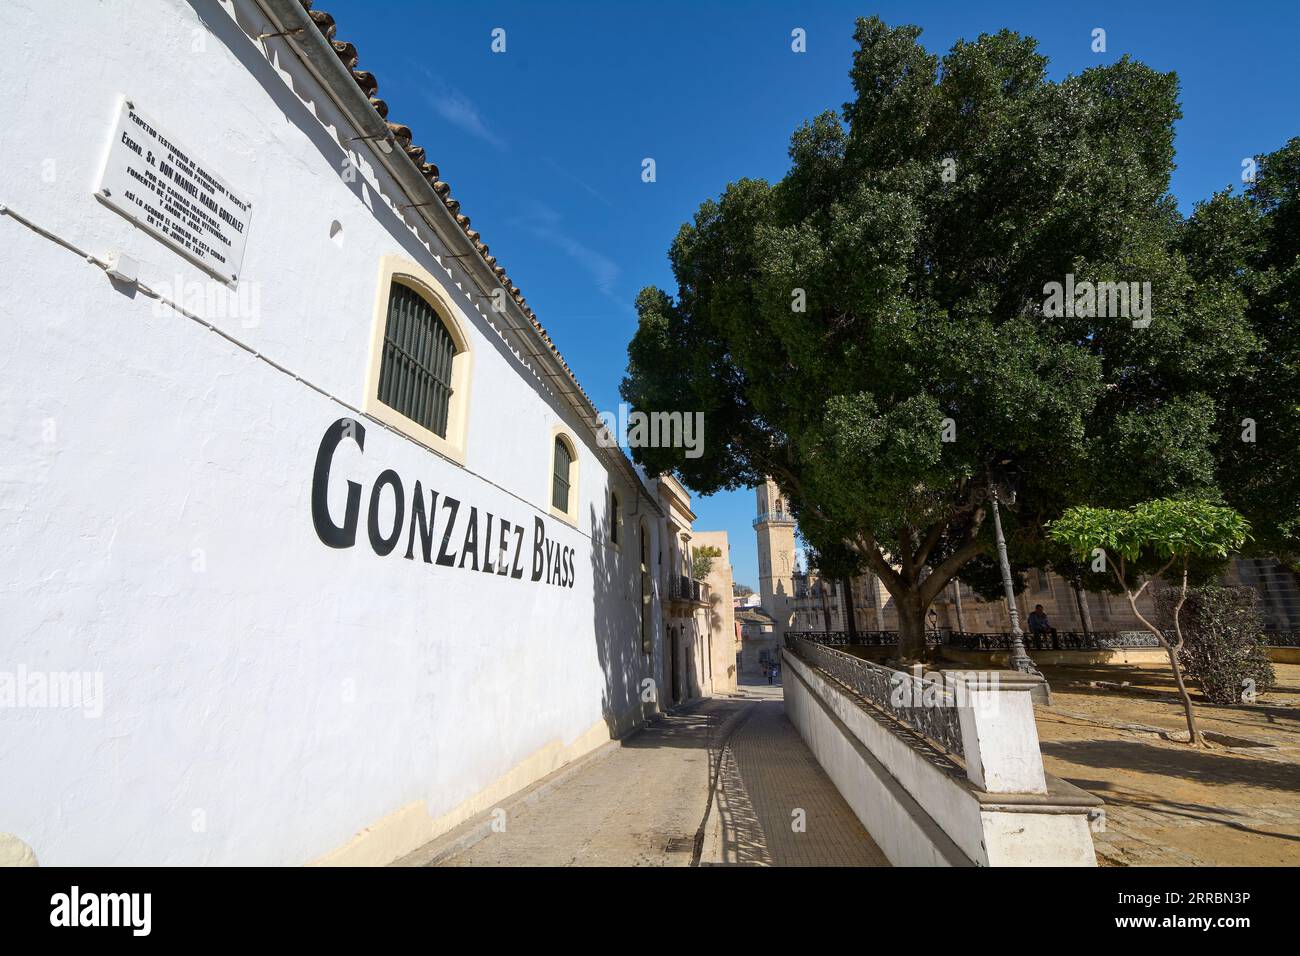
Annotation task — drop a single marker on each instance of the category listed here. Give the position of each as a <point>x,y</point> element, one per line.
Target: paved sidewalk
<point>641,806</point>
<point>776,806</point>
<point>645,804</point>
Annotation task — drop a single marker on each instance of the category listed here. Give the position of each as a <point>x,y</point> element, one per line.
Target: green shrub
<point>702,561</point>
<point>1223,648</point>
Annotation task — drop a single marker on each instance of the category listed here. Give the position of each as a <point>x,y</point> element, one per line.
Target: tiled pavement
<point>776,806</point>
<point>645,804</point>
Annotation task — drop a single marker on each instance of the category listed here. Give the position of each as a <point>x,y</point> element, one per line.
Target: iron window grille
<point>560,489</point>
<point>415,375</point>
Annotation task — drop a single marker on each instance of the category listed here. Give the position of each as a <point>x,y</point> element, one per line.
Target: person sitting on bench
<point>1038,624</point>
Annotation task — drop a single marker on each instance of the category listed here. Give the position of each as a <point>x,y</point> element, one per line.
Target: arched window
<point>415,374</point>
<point>564,475</point>
<point>563,462</point>
<point>418,382</point>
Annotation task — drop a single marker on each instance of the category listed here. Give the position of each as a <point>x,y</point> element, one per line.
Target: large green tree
<point>1246,246</point>
<point>871,331</point>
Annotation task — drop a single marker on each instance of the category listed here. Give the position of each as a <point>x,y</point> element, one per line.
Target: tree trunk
<point>1085,616</point>
<point>911,628</point>
<point>873,592</point>
<point>1193,734</point>
<point>849,615</point>
<point>1174,650</point>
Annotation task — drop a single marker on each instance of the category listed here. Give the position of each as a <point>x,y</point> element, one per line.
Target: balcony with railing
<point>774,517</point>
<point>683,588</point>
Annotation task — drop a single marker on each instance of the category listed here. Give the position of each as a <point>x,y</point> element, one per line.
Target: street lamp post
<point>1020,659</point>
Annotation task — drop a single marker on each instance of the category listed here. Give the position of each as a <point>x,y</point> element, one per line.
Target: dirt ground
<point>1237,803</point>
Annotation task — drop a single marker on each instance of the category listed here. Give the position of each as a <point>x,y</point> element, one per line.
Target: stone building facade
<point>800,600</point>
<point>699,628</point>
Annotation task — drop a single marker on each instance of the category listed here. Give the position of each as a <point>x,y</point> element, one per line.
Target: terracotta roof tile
<point>347,53</point>
<point>324,22</point>
<point>400,133</point>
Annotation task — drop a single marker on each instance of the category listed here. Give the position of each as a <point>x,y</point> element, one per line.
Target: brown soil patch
<point>1236,803</point>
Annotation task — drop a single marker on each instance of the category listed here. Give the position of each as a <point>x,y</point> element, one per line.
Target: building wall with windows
<point>760,647</point>
<point>1066,609</point>
<point>721,614</point>
<point>213,509</point>
<point>697,638</point>
<point>807,601</point>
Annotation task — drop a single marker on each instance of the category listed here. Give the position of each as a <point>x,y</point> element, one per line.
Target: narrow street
<point>648,803</point>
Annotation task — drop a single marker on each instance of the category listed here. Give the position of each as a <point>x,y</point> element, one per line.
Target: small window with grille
<point>415,377</point>
<point>562,477</point>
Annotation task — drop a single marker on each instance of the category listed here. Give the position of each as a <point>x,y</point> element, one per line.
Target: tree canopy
<point>871,330</point>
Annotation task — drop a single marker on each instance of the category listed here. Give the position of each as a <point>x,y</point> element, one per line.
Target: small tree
<point>1224,652</point>
<point>702,561</point>
<point>1150,539</point>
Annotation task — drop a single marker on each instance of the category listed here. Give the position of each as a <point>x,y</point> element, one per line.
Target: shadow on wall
<point>616,592</point>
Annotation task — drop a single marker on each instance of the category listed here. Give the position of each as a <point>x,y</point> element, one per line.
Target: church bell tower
<point>776,554</point>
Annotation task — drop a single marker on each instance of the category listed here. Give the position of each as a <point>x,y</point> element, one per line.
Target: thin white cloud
<point>544,223</point>
<point>581,183</point>
<point>457,108</point>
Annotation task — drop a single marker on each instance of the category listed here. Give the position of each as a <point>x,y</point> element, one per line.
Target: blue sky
<point>543,144</point>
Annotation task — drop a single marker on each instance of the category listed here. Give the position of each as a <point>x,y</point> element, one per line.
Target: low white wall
<point>918,806</point>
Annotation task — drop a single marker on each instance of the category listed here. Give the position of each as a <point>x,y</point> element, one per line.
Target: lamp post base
<point>1025,665</point>
<point>1020,659</point>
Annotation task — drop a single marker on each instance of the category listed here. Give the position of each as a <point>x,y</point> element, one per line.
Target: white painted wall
<point>265,697</point>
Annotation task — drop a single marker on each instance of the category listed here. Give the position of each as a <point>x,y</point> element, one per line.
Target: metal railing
<point>774,517</point>
<point>683,588</point>
<point>861,638</point>
<point>926,706</point>
<point>1001,640</point>
<point>1052,641</point>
